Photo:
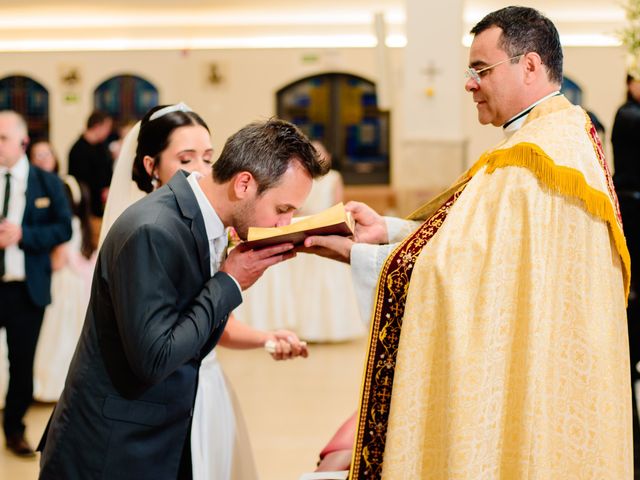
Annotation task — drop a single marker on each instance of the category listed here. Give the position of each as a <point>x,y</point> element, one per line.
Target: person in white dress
<point>325,310</point>
<point>168,139</point>
<point>73,264</point>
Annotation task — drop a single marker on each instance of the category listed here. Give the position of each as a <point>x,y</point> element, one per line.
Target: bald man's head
<point>13,137</point>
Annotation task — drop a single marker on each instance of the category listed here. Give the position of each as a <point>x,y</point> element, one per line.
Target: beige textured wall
<point>251,78</point>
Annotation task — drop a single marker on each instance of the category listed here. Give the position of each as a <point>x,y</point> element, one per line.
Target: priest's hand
<point>334,247</point>
<point>370,226</point>
<point>249,265</point>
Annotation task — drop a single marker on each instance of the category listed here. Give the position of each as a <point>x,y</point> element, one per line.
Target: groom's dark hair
<point>266,149</point>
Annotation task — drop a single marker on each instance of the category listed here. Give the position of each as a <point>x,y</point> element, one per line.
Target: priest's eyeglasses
<point>476,75</point>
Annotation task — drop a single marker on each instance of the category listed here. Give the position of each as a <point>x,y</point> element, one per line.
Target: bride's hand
<point>285,345</point>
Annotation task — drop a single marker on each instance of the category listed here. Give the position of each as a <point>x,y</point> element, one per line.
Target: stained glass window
<point>341,111</point>
<point>125,97</point>
<point>571,90</point>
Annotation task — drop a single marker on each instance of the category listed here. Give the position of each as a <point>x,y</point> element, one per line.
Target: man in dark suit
<point>35,218</point>
<point>90,161</point>
<point>159,304</point>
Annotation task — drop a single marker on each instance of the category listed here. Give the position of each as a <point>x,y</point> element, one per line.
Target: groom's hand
<point>247,266</point>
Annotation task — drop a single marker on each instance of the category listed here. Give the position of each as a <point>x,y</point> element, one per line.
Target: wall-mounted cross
<point>430,72</point>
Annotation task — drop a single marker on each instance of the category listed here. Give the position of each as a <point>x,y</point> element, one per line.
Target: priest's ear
<point>244,185</point>
<point>533,67</point>
<point>25,144</point>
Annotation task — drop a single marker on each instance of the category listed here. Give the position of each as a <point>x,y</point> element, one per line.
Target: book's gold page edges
<point>330,216</point>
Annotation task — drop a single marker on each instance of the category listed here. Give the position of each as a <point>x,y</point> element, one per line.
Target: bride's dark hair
<point>153,139</point>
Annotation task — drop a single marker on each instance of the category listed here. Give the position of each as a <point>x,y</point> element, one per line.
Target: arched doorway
<point>29,98</point>
<point>125,97</point>
<point>341,110</point>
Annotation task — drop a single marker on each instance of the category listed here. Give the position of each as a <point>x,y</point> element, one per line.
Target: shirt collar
<point>19,171</point>
<point>212,223</point>
<point>512,125</point>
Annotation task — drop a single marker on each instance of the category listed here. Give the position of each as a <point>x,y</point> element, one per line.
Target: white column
<point>431,139</point>
<point>382,63</point>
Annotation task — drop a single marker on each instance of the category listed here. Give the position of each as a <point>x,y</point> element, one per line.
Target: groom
<point>156,310</point>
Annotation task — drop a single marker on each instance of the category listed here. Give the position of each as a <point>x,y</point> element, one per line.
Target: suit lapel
<point>200,235</point>
<point>31,194</point>
<point>189,209</point>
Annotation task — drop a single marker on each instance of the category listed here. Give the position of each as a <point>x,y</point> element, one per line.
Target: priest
<point>498,344</point>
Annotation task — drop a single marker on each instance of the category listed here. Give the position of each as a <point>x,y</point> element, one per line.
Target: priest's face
<point>275,206</point>
<point>496,90</point>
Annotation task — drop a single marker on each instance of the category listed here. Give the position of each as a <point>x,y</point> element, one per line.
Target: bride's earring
<point>155,181</point>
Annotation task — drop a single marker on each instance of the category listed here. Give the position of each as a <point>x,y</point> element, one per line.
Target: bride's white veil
<point>122,191</point>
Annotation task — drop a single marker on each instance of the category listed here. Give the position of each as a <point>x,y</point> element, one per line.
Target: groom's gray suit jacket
<point>155,312</point>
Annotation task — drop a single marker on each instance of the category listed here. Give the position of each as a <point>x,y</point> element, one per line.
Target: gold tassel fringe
<point>564,180</point>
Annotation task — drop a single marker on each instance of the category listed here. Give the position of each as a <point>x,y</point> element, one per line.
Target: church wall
<point>246,92</point>
<point>250,79</point>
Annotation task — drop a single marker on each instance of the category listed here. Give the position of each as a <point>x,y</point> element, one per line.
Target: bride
<point>167,139</point>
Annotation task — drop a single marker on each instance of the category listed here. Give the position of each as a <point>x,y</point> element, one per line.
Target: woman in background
<point>328,312</point>
<point>72,263</point>
<point>41,154</point>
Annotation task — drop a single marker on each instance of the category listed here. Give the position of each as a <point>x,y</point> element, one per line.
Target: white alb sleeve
<point>367,262</point>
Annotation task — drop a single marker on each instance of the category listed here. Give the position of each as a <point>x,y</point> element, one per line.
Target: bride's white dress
<point>220,447</point>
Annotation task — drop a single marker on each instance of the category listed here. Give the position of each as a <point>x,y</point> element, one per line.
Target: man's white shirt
<point>216,233</point>
<point>14,255</point>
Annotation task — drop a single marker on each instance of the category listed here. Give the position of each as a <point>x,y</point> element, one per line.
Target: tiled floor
<point>291,408</point>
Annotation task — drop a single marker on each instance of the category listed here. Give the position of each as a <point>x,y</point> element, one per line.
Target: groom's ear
<point>244,185</point>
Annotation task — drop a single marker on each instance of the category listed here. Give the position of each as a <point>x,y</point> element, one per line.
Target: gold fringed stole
<point>386,324</point>
<point>569,182</point>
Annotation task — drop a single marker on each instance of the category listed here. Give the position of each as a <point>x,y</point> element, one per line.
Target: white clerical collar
<point>212,223</point>
<point>19,171</point>
<point>512,125</point>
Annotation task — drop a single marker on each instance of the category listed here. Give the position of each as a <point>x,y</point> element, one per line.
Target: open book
<point>332,221</point>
